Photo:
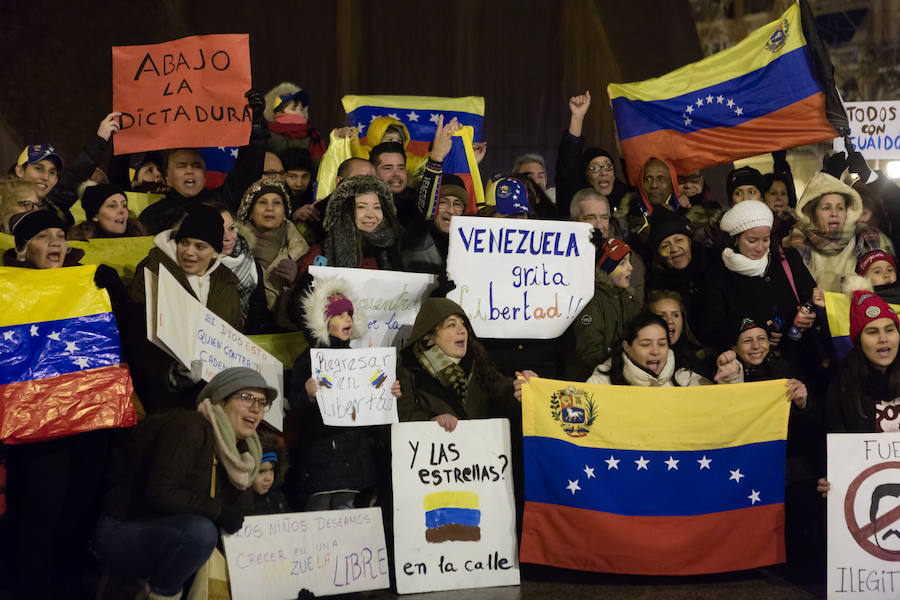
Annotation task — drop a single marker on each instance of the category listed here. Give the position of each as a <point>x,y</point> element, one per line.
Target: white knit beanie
<point>746,215</point>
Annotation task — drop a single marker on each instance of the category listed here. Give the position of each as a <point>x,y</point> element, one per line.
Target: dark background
<point>525,58</point>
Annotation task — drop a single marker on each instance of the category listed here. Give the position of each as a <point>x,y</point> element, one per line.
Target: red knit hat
<point>870,258</point>
<point>865,308</point>
<point>614,252</point>
<point>338,304</point>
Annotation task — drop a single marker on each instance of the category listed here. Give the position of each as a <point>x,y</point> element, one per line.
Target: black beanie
<point>744,176</point>
<point>591,153</point>
<point>95,195</point>
<point>296,159</point>
<point>27,225</point>
<point>203,223</point>
<point>664,223</point>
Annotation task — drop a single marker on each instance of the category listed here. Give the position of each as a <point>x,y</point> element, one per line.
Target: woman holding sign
<point>446,374</point>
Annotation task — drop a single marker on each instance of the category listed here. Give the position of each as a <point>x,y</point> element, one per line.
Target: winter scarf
<point>242,467</point>
<point>243,265</point>
<point>445,369</point>
<point>268,244</point>
<point>740,264</point>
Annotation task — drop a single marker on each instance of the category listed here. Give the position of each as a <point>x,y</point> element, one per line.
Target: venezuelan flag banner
<point>419,114</point>
<point>656,481</point>
<point>61,369</point>
<point>837,309</point>
<point>766,93</point>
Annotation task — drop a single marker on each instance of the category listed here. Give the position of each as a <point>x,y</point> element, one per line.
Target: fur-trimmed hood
<point>851,283</point>
<point>267,184</point>
<point>285,87</point>
<point>818,186</point>
<point>315,303</point>
<point>342,200</point>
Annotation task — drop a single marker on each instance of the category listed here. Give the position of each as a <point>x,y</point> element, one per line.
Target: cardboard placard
<point>185,93</point>
<point>454,512</point>
<point>874,129</point>
<point>520,279</point>
<point>273,557</point>
<point>355,385</point>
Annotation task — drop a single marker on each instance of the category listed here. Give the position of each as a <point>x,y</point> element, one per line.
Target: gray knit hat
<point>229,381</point>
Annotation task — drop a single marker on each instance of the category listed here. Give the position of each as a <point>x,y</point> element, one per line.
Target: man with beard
<point>389,160</point>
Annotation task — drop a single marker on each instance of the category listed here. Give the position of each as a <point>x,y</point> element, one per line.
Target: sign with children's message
<point>388,300</point>
<point>454,513</point>
<point>864,515</point>
<point>520,279</point>
<point>273,557</point>
<point>184,93</point>
<point>874,129</point>
<point>191,332</point>
<point>355,385</point>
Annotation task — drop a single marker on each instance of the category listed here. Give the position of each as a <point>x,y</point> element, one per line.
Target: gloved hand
<point>257,103</point>
<point>857,164</point>
<point>287,270</point>
<point>181,378</point>
<point>835,164</point>
<point>230,519</point>
<point>305,594</point>
<point>779,156</point>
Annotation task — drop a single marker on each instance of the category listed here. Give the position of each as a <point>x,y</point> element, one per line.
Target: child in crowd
<point>268,499</point>
<point>878,271</point>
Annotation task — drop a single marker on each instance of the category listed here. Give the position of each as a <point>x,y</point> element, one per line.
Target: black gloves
<point>835,164</point>
<point>857,164</point>
<point>257,103</point>
<point>779,156</point>
<point>230,519</point>
<point>305,594</point>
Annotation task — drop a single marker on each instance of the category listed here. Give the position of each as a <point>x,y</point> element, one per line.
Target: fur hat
<point>746,215</point>
<point>276,97</point>
<point>866,307</point>
<point>870,258</point>
<point>316,307</point>
<point>267,184</point>
<point>744,176</point>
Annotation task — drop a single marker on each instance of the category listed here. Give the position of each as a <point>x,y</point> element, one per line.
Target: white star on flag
<point>434,117</point>
<point>736,475</point>
<point>360,127</point>
<point>642,463</point>
<point>71,347</point>
<point>699,101</point>
<point>589,471</point>
<point>612,462</point>
<point>709,99</point>
<point>754,497</point>
<point>222,148</point>
<point>739,111</point>
<point>704,462</point>
<point>719,99</point>
<point>54,335</point>
<point>673,464</point>
<point>690,108</point>
<point>34,330</point>
<point>82,362</point>
<point>234,152</point>
<point>687,121</point>
<point>412,116</point>
<point>394,116</point>
<point>573,486</point>
<point>730,103</point>
<point>8,335</point>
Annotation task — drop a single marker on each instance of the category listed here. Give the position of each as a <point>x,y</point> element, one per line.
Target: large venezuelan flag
<point>61,368</point>
<point>758,96</point>
<point>420,116</point>
<point>657,481</point>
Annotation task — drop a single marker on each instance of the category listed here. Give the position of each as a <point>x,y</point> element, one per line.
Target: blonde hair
<point>12,191</point>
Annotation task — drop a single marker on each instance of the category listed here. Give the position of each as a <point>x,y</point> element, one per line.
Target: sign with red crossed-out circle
<point>863,533</point>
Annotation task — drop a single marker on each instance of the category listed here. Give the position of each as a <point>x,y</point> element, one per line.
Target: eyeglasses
<point>248,400</point>
<point>598,168</point>
<point>29,205</point>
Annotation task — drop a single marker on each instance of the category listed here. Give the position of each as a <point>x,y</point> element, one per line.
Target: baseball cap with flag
<point>37,152</point>
<point>508,195</point>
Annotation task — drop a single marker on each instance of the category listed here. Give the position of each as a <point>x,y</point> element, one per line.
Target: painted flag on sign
<point>61,368</point>
<point>656,481</point>
<point>772,90</point>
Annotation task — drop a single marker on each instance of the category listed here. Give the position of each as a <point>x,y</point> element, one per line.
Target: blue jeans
<point>165,550</point>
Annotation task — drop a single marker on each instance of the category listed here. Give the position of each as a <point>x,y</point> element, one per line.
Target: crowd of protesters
<point>690,289</point>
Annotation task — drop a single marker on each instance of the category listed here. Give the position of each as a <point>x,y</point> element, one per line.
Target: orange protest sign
<point>184,93</point>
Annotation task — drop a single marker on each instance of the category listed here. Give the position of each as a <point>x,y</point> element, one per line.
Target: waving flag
<point>771,91</point>
<point>419,114</point>
<point>837,309</point>
<point>657,481</point>
<point>61,368</point>
<point>219,163</point>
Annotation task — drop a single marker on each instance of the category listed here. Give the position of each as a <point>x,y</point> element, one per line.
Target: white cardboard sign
<point>864,515</point>
<point>273,557</point>
<point>520,279</point>
<point>454,512</point>
<point>189,331</point>
<point>389,301</point>
<point>874,129</point>
<point>355,385</point>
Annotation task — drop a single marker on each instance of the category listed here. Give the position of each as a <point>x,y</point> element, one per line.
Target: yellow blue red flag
<point>61,367</point>
<point>657,481</point>
<point>837,309</point>
<point>768,92</point>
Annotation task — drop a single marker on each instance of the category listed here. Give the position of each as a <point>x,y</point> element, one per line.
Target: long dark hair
<point>617,364</point>
<point>857,411</point>
<point>660,295</point>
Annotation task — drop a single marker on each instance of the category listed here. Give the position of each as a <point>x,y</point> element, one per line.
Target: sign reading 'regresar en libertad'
<point>184,93</point>
<point>522,279</point>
